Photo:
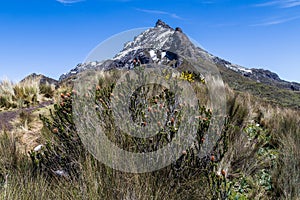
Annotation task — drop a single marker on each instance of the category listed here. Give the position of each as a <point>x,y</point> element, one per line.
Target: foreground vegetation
<point>257,156</point>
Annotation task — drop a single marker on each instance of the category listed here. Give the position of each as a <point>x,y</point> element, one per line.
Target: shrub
<point>63,147</point>
<point>64,150</point>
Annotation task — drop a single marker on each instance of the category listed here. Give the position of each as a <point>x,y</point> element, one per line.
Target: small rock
<point>60,173</point>
<point>38,148</point>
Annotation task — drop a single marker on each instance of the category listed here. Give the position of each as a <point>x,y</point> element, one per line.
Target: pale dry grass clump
<point>19,95</point>
<point>6,93</point>
<point>25,93</point>
<point>27,129</point>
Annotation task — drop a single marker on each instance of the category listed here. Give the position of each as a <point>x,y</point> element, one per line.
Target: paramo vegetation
<point>256,157</point>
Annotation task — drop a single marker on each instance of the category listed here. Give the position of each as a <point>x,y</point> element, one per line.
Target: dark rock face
<point>220,61</point>
<point>178,29</point>
<point>265,74</point>
<point>295,86</point>
<point>146,56</point>
<point>128,61</point>
<point>160,23</point>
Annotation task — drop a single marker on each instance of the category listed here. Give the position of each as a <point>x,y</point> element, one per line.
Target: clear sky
<point>53,36</point>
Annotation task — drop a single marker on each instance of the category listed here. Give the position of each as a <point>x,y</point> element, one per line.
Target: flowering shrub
<point>63,148</point>
<point>191,77</point>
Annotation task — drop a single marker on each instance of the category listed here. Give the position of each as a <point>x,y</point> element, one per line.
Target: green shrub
<point>63,147</point>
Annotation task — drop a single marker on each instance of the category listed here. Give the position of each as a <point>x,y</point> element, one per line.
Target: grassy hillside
<point>257,156</point>
<point>273,94</point>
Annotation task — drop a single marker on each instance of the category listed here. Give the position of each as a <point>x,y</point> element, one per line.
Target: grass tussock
<point>24,94</point>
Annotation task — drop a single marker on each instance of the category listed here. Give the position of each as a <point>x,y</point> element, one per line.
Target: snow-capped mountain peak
<point>164,45</point>
<point>154,38</point>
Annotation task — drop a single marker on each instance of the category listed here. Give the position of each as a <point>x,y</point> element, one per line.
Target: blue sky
<point>52,36</point>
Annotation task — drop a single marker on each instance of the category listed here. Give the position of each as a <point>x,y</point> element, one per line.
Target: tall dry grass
<point>285,126</point>
<point>278,138</point>
<point>6,93</point>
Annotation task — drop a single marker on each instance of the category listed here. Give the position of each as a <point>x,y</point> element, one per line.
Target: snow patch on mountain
<point>80,68</point>
<point>152,38</point>
<point>238,68</point>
